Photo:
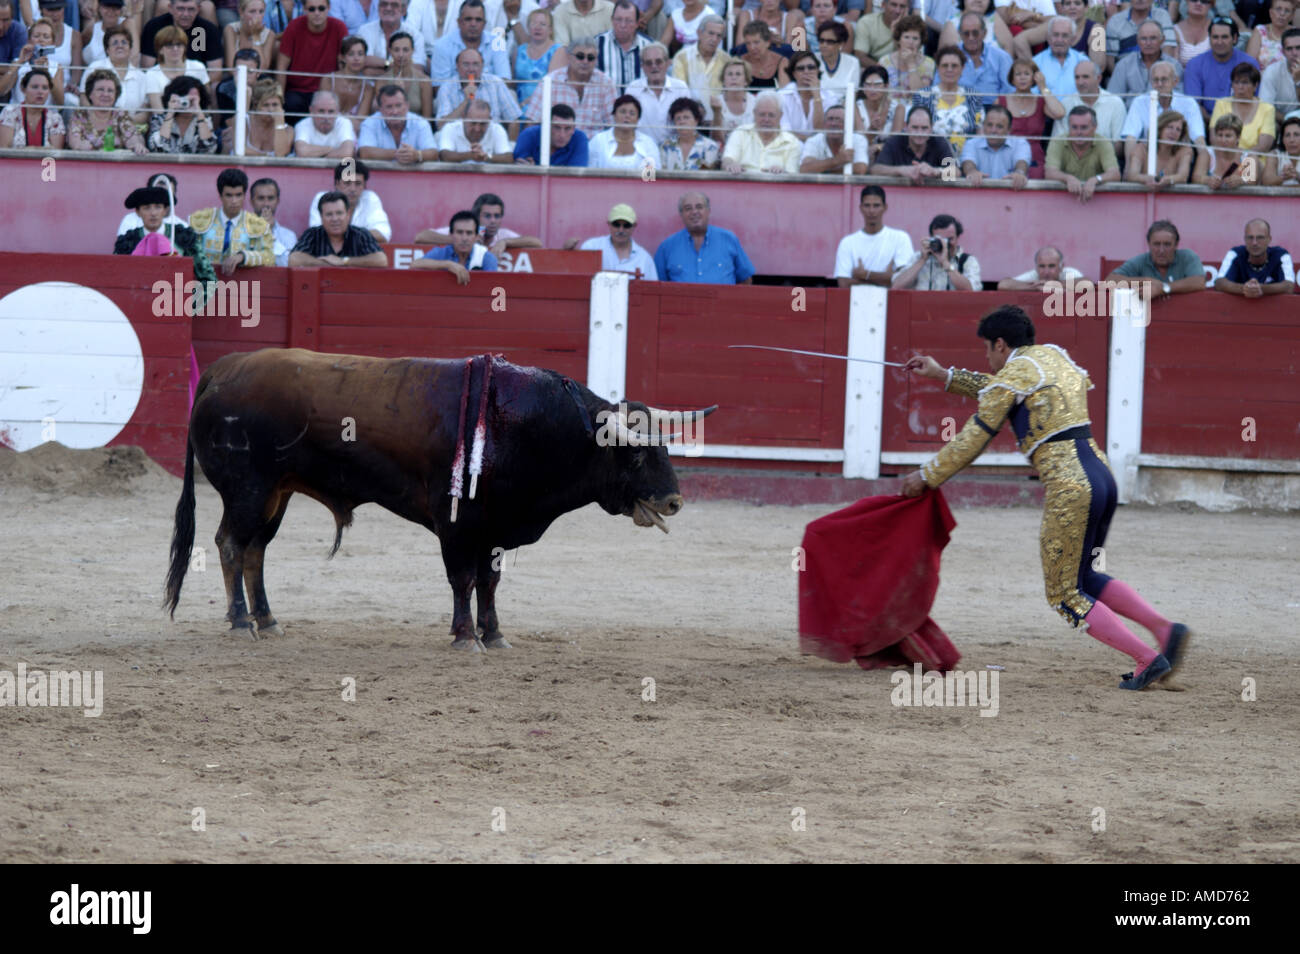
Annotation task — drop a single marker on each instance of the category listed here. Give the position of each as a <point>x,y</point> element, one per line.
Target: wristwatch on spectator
<point>1167,288</point>
<point>1099,178</point>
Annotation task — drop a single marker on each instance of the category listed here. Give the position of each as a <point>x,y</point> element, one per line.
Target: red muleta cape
<point>870,576</point>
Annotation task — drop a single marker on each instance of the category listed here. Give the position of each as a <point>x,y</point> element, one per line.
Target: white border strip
<point>1128,337</point>
<point>607,335</point>
<point>998,459</point>
<point>864,384</point>
<point>1191,462</point>
<point>757,452</point>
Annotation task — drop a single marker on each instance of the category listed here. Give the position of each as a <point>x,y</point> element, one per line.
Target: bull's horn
<point>628,437</point>
<point>659,417</point>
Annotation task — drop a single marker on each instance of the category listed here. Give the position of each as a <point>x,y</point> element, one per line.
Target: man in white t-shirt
<point>476,138</point>
<point>1049,266</point>
<point>872,255</point>
<point>827,152</point>
<point>324,133</point>
<point>618,252</point>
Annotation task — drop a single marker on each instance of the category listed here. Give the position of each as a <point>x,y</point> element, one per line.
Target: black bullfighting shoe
<point>1179,637</point>
<point>1159,667</point>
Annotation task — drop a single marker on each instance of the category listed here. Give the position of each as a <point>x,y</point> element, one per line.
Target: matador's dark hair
<point>1010,323</point>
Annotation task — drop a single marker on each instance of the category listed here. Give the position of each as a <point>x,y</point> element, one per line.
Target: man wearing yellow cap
<point>618,253</point>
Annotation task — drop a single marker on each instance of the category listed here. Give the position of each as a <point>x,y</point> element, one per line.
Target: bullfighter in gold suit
<point>233,238</point>
<point>1044,395</point>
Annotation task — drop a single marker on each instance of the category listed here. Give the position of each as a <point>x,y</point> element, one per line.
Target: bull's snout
<point>672,504</point>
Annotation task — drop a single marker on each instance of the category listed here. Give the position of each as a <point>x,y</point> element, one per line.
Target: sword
<point>820,354</point>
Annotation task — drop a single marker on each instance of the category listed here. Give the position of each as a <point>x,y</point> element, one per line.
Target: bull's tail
<point>182,535</point>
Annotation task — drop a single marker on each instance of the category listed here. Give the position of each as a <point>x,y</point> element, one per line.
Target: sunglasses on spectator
<point>1221,21</point>
<point>620,224</point>
<point>315,9</point>
<point>584,56</point>
<point>806,68</point>
<point>827,39</point>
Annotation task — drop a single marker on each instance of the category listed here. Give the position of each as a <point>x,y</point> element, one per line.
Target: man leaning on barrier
<point>1256,269</point>
<point>1163,266</point>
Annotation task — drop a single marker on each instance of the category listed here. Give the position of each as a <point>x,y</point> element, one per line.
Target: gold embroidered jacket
<point>249,234</point>
<point>1040,389</point>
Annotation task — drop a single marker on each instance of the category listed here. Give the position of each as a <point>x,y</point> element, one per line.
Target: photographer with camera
<point>941,265</point>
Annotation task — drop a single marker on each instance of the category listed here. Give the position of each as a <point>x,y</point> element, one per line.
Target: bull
<point>348,430</point>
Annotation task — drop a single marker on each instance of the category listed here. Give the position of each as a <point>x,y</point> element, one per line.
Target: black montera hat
<point>149,195</point>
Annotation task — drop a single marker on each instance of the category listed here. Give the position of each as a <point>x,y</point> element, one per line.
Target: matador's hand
<point>926,367</point>
<point>913,484</point>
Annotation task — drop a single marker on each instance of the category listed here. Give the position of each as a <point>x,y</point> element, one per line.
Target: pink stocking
<point>1104,625</point>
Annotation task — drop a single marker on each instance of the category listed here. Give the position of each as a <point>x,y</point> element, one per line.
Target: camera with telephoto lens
<point>937,244</point>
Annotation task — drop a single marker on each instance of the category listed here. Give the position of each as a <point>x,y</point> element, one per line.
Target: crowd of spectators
<point>926,86</point>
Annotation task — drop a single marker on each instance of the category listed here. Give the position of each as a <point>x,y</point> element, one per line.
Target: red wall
<point>678,357</point>
<point>787,229</point>
<point>1211,359</point>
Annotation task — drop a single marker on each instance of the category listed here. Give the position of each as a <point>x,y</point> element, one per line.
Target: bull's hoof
<point>468,645</point>
<point>270,629</point>
<point>244,631</point>
<point>497,642</point>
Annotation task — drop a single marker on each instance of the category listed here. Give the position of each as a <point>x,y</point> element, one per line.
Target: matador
<point>1043,393</point>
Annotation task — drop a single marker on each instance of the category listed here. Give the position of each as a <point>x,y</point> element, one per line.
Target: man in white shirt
<point>872,255</point>
<point>656,91</point>
<point>827,152</point>
<point>324,133</point>
<point>351,177</point>
<point>618,252</point>
<point>579,18</point>
<point>1049,266</point>
<point>264,195</point>
<point>476,138</point>
<point>1110,109</point>
<point>376,33</point>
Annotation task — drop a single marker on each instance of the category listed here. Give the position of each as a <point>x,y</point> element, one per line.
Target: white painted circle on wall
<point>71,367</point>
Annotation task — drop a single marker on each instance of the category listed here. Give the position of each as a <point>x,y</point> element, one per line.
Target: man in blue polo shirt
<point>464,254</point>
<point>1256,269</point>
<point>568,143</point>
<point>987,66</point>
<point>1058,61</point>
<point>1209,76</point>
<point>702,253</point>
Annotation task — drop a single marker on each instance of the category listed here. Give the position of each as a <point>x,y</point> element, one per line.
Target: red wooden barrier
<point>678,358</point>
<point>943,325</point>
<point>1213,360</point>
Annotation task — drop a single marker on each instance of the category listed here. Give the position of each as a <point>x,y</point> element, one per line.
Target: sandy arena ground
<point>553,738</point>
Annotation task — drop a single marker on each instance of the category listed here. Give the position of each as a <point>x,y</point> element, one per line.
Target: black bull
<point>348,430</point>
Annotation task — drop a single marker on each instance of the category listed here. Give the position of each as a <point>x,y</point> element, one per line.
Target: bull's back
<point>358,428</point>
